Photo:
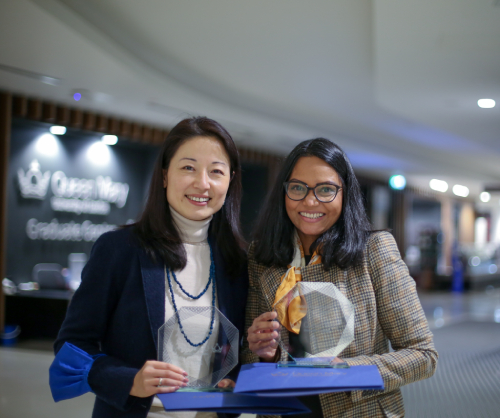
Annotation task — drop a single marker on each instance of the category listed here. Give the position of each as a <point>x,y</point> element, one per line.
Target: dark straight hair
<point>341,245</point>
<point>156,230</point>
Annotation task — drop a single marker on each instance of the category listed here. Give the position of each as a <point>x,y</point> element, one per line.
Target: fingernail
<point>186,379</point>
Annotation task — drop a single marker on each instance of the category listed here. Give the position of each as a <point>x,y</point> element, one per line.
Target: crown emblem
<point>34,183</point>
<point>217,349</point>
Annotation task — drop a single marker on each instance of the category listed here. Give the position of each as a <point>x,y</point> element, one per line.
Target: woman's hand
<point>226,383</point>
<point>147,380</point>
<point>262,336</point>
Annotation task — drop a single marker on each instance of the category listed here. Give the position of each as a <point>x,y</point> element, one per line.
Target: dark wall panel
<point>254,181</point>
<point>46,194</point>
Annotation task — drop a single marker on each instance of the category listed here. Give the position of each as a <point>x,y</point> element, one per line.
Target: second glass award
<point>320,321</point>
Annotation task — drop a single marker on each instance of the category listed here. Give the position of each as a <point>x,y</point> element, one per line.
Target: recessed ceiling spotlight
<point>460,190</point>
<point>109,139</point>
<point>58,130</point>
<point>486,103</point>
<point>438,185</point>
<point>485,197</point>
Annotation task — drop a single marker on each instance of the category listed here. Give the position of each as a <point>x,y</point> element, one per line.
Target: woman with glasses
<point>314,228</point>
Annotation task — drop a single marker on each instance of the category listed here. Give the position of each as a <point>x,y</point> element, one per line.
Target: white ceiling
<point>394,82</point>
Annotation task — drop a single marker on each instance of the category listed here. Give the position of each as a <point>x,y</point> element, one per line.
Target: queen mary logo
<point>33,184</point>
<point>73,194</point>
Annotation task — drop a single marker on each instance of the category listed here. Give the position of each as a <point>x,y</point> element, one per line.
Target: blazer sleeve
<point>89,314</point>
<point>401,318</point>
<point>253,310</point>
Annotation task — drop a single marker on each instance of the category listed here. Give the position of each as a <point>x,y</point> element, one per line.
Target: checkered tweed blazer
<point>387,309</point>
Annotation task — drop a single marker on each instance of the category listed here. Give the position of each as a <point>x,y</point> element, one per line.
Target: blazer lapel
<point>271,279</point>
<point>222,284</point>
<point>153,280</point>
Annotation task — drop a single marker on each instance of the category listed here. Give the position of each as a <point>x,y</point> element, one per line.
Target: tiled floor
<point>24,390</point>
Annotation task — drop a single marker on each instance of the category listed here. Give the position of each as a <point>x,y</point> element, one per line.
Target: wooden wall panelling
<point>135,132</point>
<point>125,129</point>
<point>164,134</point>
<point>49,112</point>
<point>113,126</point>
<point>147,135</point>
<point>19,106</point>
<point>63,115</point>
<point>34,109</point>
<point>101,124</point>
<point>156,136</point>
<point>76,118</point>
<point>88,121</point>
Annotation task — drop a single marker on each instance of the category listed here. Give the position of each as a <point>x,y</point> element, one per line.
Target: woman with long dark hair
<point>314,228</point>
<point>186,250</point>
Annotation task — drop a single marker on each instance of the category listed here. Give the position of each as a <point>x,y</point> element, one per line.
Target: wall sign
<point>61,204</point>
<point>72,194</point>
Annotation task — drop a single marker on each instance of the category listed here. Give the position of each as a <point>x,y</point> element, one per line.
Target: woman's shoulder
<point>122,238</point>
<point>255,268</point>
<point>379,237</point>
<point>381,244</point>
<point>251,253</point>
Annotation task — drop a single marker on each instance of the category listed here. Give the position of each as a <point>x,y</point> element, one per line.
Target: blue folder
<point>230,402</point>
<point>265,379</point>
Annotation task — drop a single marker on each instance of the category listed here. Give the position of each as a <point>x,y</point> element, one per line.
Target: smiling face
<point>198,178</point>
<point>310,216</point>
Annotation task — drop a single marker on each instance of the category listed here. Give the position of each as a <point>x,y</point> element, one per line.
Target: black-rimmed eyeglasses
<point>324,192</point>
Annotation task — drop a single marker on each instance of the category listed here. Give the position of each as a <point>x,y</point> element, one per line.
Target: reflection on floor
<point>466,384</point>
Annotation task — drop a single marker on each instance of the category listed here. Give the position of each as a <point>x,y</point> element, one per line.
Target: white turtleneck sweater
<point>194,278</point>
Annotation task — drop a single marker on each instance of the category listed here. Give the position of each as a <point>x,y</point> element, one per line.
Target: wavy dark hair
<point>341,245</point>
<point>155,229</point>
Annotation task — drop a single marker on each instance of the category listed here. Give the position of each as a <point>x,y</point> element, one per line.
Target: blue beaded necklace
<point>211,279</point>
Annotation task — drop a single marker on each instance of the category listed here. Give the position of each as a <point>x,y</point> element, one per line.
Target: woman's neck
<point>191,232</point>
<point>306,241</point>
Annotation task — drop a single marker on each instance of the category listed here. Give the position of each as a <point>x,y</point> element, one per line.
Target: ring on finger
<point>159,384</point>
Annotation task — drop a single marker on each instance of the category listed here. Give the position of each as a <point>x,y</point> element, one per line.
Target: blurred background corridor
<point>410,90</point>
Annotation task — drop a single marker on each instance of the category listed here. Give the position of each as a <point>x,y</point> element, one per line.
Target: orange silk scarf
<point>291,312</point>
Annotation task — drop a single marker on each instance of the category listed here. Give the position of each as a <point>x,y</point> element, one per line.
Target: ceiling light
<point>98,153</point>
<point>486,103</point>
<point>109,139</point>
<point>438,185</point>
<point>53,81</point>
<point>460,190</point>
<point>47,145</point>
<point>58,130</point>
<point>485,197</point>
<point>397,182</point>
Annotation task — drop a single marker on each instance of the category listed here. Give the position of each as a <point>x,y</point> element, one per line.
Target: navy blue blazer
<point>117,311</point>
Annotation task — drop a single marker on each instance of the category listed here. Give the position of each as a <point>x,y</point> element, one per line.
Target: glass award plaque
<point>320,321</point>
<point>203,342</point>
